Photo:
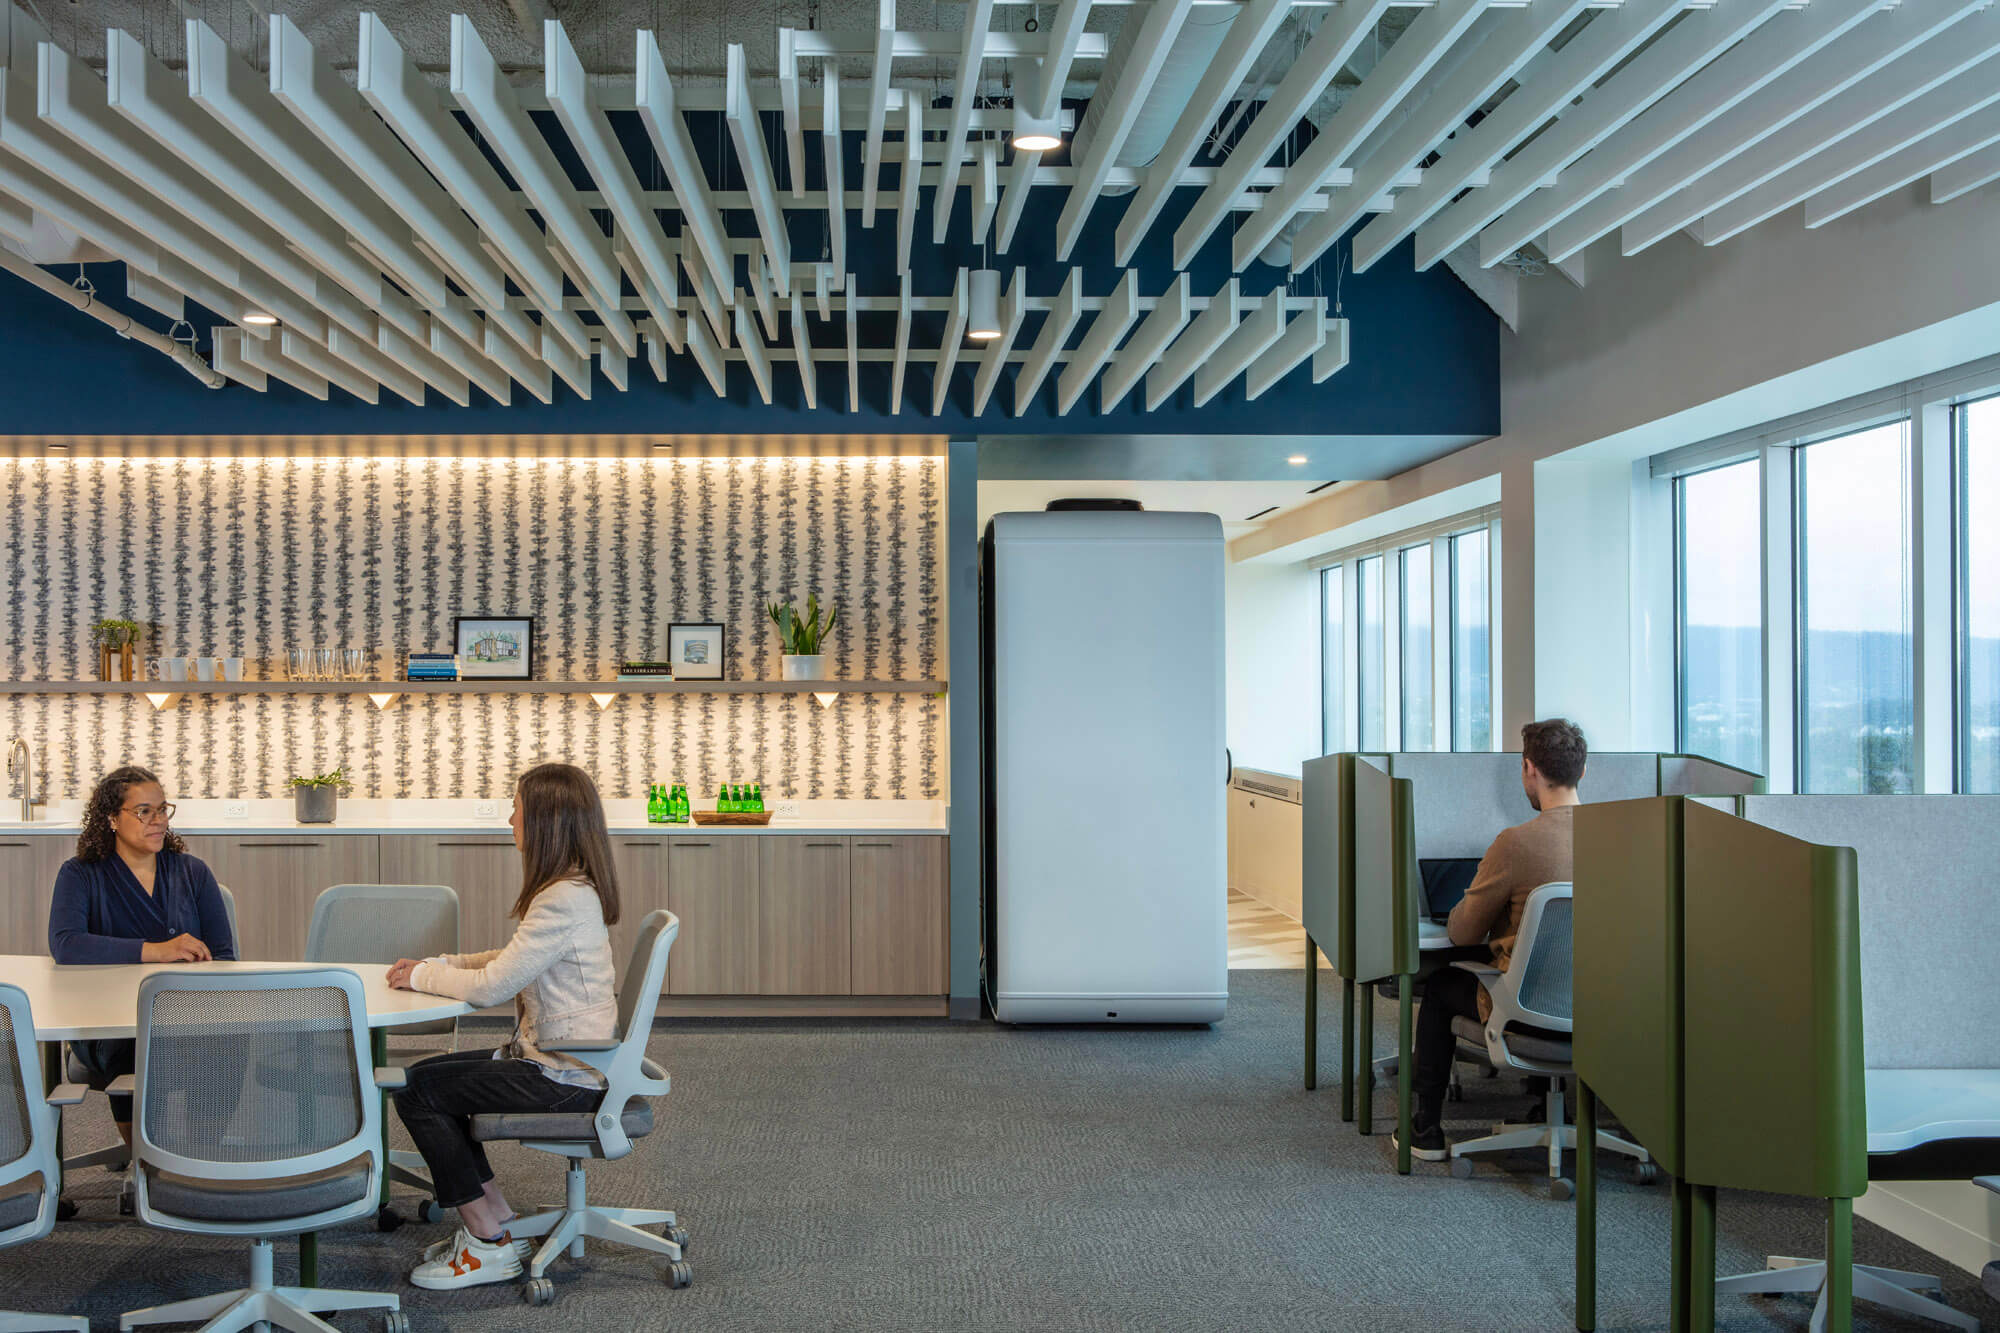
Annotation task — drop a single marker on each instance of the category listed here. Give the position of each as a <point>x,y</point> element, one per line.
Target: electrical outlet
<point>486,809</point>
<point>236,809</point>
<point>786,810</point>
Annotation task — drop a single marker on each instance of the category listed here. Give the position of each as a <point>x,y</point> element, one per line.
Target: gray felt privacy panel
<point>1691,775</point>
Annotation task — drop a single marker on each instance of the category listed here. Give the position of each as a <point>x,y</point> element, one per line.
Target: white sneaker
<point>468,1262</point>
<point>439,1248</point>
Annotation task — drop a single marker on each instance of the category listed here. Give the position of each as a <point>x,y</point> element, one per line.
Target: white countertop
<point>360,815</point>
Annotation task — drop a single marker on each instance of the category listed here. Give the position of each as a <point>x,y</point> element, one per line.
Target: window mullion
<point>1780,618</point>
<point>1931,596</point>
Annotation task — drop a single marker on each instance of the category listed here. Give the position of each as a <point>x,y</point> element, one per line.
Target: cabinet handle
<point>679,843</point>
<point>874,844</point>
<point>642,844</point>
<point>13,844</point>
<point>827,844</point>
<point>277,844</point>
<point>474,844</point>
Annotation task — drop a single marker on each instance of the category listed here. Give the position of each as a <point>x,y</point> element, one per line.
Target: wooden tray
<point>754,818</point>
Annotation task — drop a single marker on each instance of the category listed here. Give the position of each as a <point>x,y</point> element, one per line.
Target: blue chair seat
<point>257,1200</point>
<point>20,1201</point>
<point>559,1126</point>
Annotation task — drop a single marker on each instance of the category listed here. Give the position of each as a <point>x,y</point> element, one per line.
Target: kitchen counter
<point>625,816</point>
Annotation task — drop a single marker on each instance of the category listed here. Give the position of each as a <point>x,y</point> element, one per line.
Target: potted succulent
<point>115,639</point>
<point>317,796</point>
<point>802,637</point>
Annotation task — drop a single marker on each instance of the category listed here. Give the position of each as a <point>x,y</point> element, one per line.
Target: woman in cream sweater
<point>557,970</point>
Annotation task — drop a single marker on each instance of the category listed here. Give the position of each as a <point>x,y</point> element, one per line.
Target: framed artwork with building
<point>496,647</point>
<point>696,651</point>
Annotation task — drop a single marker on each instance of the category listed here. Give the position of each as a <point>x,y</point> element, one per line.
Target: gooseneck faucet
<point>19,753</point>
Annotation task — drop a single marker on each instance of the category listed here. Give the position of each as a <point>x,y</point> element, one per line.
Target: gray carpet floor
<point>929,1176</point>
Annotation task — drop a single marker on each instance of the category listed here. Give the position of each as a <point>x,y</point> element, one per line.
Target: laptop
<point>1445,880</point>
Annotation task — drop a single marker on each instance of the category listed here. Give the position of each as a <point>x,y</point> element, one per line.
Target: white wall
<point>1271,614</point>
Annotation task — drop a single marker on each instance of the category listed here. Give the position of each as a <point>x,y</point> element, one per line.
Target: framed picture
<point>696,651</point>
<point>496,647</point>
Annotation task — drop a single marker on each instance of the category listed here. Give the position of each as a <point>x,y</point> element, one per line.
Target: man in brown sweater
<point>1521,860</point>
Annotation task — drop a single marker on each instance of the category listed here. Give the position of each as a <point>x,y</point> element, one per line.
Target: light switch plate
<point>236,809</point>
<point>486,809</point>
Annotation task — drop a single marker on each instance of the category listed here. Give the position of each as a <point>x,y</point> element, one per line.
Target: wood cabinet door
<point>712,888</point>
<point>898,916</point>
<point>485,870</point>
<point>802,910</point>
<point>641,864</point>
<point>276,877</point>
<point>28,866</point>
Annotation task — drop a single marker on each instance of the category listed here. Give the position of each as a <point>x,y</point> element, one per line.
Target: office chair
<point>606,1133</point>
<point>220,1153</point>
<point>380,923</point>
<point>1529,1029</point>
<point>118,1157</point>
<point>30,1176</point>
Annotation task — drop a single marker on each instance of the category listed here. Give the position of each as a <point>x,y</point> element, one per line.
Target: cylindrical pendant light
<point>982,323</point>
<point>1034,132</point>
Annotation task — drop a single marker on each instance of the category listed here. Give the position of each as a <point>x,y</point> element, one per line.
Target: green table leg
<point>1405,1031</point>
<point>1840,1265</point>
<point>1677,1291</point>
<point>1312,1014</point>
<point>1701,1260</point>
<point>309,1259</point>
<point>1364,1060</point>
<point>1586,1208</point>
<point>1347,1049</point>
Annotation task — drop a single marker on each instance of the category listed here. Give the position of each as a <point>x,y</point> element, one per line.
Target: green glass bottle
<point>722,806</point>
<point>757,796</point>
<point>653,803</point>
<point>736,797</point>
<point>677,804</point>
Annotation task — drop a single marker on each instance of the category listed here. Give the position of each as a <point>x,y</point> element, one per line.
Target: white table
<point>1908,1108</point>
<point>81,1003</point>
<point>87,1002</point>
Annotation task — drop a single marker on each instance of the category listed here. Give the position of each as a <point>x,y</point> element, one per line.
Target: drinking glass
<point>156,668</point>
<point>298,664</point>
<point>353,662</point>
<point>323,664</point>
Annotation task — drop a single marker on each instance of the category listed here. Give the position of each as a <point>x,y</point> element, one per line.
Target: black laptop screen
<point>1446,879</point>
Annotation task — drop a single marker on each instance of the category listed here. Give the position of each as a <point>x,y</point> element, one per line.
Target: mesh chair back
<point>17,1130</point>
<point>380,923</point>
<point>647,974</point>
<point>201,1045</point>
<point>1547,962</point>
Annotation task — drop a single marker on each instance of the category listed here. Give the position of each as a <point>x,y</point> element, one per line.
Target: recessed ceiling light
<point>1297,460</point>
<point>58,446</point>
<point>663,444</point>
<point>260,319</point>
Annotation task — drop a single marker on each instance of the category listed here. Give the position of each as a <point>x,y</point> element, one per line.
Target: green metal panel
<point>1774,1064</point>
<point>1327,856</point>
<point>1385,912</point>
<point>1627,987</point>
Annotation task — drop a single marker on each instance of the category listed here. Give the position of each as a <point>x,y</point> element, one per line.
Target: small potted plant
<point>318,796</point>
<point>802,638</point>
<point>115,640</point>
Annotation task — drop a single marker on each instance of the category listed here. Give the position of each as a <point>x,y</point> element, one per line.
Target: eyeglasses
<point>151,814</point>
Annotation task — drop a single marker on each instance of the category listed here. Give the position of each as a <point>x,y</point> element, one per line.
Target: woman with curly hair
<point>132,894</point>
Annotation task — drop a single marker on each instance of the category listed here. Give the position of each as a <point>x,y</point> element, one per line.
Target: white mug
<point>203,667</point>
<point>232,668</point>
<point>177,668</point>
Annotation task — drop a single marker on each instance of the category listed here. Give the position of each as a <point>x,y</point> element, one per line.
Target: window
<point>1333,672</point>
<point>1471,642</point>
<point>1978,586</point>
<point>1856,694</point>
<point>1419,721</point>
<point>1369,668</point>
<point>1719,614</point>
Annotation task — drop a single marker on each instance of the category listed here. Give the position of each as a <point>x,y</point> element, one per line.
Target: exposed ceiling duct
<point>1187,59</point>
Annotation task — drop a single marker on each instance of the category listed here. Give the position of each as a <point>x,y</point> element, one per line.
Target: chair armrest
<point>389,1078</point>
<point>67,1094</point>
<point>572,1047</point>
<point>1489,976</point>
<point>124,1085</point>
<point>1988,1183</point>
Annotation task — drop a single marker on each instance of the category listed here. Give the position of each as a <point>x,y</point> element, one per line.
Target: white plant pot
<point>805,666</point>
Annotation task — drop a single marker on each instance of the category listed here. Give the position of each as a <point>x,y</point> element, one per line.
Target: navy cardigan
<point>101,915</point>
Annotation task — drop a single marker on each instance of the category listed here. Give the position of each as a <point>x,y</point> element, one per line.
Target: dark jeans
<point>446,1091</point>
<point>1449,993</point>
<point>104,1061</point>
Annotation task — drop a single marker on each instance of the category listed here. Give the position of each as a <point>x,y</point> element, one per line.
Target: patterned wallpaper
<point>250,556</point>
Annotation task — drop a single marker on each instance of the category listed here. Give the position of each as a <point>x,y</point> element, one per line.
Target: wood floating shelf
<point>387,693</point>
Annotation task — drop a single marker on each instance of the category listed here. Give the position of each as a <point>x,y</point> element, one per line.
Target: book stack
<point>432,666</point>
<point>645,671</point>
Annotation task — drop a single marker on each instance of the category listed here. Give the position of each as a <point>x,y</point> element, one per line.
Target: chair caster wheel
<point>1646,1173</point>
<point>538,1291</point>
<point>126,1204</point>
<point>395,1321</point>
<point>65,1208</point>
<point>387,1219</point>
<point>679,1236</point>
<point>679,1276</point>
<point>1562,1190</point>
<point>1462,1167</point>
<point>428,1211</point>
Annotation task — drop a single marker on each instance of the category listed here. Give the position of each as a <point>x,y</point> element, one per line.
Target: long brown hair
<point>563,836</point>
<point>96,840</point>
